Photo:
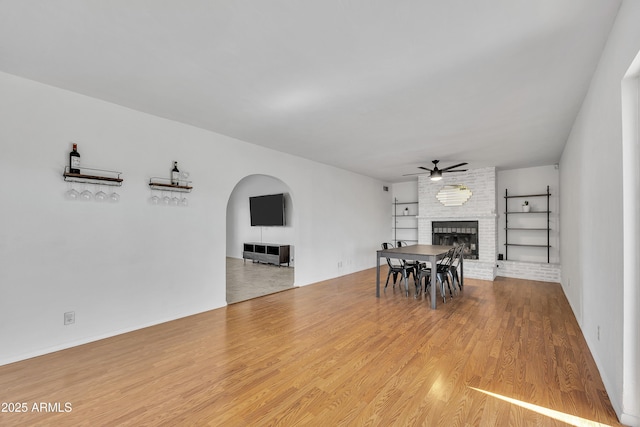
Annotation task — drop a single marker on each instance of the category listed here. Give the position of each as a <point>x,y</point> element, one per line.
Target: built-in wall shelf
<point>531,246</point>
<point>530,212</point>
<point>164,184</point>
<point>94,176</point>
<point>522,229</point>
<point>522,196</point>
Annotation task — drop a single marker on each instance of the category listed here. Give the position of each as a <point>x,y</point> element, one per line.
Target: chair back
<point>457,255</point>
<point>411,263</point>
<point>392,262</point>
<point>445,263</point>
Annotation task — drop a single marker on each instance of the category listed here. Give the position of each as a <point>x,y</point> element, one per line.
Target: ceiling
<point>375,87</point>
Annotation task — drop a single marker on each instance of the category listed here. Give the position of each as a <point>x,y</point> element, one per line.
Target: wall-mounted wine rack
<point>94,176</point>
<point>164,184</point>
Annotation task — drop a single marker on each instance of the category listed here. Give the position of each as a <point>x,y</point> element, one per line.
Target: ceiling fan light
<point>436,175</point>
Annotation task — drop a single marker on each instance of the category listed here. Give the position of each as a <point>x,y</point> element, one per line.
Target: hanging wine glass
<point>154,199</point>
<point>175,201</point>
<point>101,196</point>
<point>72,194</point>
<point>114,197</point>
<point>166,200</point>
<point>86,195</point>
<point>184,201</point>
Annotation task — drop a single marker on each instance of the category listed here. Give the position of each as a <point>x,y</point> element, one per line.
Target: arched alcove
<point>249,279</point>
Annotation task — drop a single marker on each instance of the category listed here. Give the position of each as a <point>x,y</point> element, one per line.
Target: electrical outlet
<point>69,317</point>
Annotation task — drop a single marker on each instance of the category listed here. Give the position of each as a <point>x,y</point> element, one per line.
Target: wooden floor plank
<point>330,354</point>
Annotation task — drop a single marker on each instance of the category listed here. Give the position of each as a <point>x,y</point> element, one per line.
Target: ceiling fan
<point>436,174</point>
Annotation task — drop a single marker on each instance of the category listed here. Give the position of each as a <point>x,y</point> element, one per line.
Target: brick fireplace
<point>480,209</point>
<point>455,233</point>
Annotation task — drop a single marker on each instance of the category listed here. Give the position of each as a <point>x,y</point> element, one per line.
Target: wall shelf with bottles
<point>94,176</point>
<point>165,184</point>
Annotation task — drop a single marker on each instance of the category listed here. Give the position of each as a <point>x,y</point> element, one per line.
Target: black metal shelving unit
<point>396,220</point>
<point>507,212</point>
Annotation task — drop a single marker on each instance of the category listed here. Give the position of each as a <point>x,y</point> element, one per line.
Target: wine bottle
<point>74,160</point>
<point>175,174</point>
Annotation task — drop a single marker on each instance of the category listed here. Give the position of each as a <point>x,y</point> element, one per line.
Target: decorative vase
<point>526,208</point>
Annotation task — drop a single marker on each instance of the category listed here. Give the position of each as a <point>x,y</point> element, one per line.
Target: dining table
<point>426,253</point>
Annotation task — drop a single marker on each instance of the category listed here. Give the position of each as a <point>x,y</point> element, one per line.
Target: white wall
<point>591,206</point>
<point>631,224</point>
<point>127,265</point>
<point>405,191</point>
<point>530,181</point>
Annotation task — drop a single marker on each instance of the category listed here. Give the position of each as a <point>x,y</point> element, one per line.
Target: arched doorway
<point>250,279</point>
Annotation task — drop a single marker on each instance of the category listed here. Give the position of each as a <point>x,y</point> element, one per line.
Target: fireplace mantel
<point>458,217</point>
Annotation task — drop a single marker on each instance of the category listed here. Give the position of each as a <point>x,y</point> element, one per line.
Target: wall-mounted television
<point>267,210</point>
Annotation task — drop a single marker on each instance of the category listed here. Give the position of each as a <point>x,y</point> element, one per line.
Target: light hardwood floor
<point>330,354</point>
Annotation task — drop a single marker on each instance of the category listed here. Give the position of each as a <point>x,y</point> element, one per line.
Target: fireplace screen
<point>454,233</point>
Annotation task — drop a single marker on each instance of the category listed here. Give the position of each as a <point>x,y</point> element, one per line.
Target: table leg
<point>461,270</point>
<point>434,280</point>
<point>406,282</point>
<point>378,276</point>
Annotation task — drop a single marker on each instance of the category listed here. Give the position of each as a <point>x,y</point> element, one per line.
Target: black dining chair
<point>443,274</point>
<point>410,263</point>
<point>396,267</point>
<point>455,266</point>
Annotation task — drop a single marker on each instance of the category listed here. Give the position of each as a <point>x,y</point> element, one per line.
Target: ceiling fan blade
<point>412,174</point>
<point>423,168</point>
<point>454,166</point>
<point>459,170</point>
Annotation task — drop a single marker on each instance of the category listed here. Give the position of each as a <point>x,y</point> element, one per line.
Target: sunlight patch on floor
<point>560,416</point>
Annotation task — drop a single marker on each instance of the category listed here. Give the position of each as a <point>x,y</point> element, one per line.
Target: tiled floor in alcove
<point>246,280</point>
